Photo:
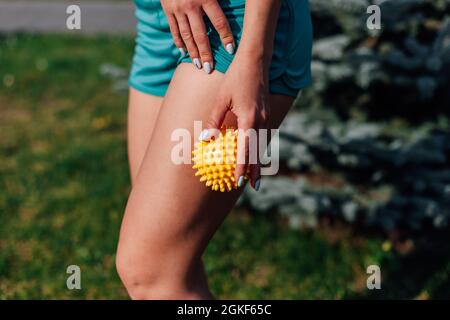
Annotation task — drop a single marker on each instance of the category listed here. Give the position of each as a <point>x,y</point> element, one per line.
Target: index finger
<point>220,23</point>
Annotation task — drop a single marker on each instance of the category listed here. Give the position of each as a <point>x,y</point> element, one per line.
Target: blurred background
<point>364,180</point>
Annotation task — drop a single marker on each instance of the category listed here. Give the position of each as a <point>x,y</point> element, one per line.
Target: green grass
<point>64,182</point>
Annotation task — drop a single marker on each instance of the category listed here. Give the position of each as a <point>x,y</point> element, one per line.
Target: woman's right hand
<point>188,29</point>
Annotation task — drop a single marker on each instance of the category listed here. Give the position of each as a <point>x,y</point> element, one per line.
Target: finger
<point>255,168</point>
<point>257,151</point>
<point>246,136</point>
<point>264,118</point>
<point>255,175</point>
<point>220,23</point>
<point>242,158</point>
<point>186,35</point>
<point>173,26</point>
<point>201,40</point>
<point>215,119</point>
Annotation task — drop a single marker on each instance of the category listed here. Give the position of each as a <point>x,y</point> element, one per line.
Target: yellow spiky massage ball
<point>215,161</point>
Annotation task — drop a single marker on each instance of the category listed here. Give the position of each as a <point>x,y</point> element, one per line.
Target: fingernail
<point>257,184</point>
<point>182,52</point>
<point>197,63</point>
<point>230,48</point>
<point>241,181</point>
<point>207,67</point>
<point>204,135</point>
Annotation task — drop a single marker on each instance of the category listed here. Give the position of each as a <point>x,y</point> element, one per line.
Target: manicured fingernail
<point>182,52</point>
<point>241,181</point>
<point>197,63</point>
<point>257,184</point>
<point>230,48</point>
<point>204,135</point>
<point>207,67</point>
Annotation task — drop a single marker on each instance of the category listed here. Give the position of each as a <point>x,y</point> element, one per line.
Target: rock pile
<point>403,69</point>
<point>368,172</point>
<point>371,143</point>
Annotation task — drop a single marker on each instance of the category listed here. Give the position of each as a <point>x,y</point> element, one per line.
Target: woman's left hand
<point>245,93</point>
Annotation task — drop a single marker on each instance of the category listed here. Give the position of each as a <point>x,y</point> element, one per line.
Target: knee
<point>139,282</point>
<point>145,281</point>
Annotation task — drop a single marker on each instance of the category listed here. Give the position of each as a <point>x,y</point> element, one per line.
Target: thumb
<point>215,120</point>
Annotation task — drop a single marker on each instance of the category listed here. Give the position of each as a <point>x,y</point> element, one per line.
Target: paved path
<point>50,16</point>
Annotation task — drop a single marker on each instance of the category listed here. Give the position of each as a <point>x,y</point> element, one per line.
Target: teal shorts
<point>156,57</point>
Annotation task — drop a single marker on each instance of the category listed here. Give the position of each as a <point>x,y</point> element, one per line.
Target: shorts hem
<point>276,88</point>
<point>147,90</point>
<point>221,67</point>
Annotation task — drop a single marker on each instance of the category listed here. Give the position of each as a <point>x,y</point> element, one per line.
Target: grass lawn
<point>64,182</point>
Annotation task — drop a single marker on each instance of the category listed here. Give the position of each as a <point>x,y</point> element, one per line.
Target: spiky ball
<point>215,161</point>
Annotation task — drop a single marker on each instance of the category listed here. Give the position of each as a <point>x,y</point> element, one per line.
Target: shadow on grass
<point>422,273</point>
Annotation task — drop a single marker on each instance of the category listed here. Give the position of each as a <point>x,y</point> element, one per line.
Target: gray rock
<point>331,48</point>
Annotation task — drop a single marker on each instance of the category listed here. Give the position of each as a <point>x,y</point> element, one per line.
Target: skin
<point>188,29</point>
<point>170,216</point>
<point>143,110</point>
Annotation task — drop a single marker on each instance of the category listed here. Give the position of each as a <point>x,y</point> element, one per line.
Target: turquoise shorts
<point>156,57</point>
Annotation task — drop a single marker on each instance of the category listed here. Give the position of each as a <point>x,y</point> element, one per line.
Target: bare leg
<point>143,110</point>
<point>171,216</point>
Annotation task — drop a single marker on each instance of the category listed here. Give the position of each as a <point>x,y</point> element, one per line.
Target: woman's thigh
<point>170,215</point>
<point>143,110</point>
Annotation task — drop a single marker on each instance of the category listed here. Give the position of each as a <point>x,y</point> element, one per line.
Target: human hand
<point>188,29</point>
<point>244,92</point>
